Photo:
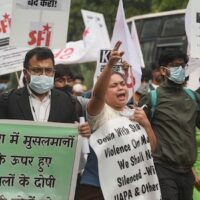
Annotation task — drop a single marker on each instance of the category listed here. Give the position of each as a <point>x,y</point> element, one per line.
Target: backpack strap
<point>153,100</point>
<point>190,93</point>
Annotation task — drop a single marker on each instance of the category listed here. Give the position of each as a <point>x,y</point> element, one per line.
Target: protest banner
<point>39,23</point>
<point>125,164</point>
<point>38,160</point>
<point>196,193</point>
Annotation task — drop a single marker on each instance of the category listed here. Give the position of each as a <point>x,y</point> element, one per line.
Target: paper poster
<point>102,61</point>
<point>192,26</point>
<point>125,163</point>
<point>89,17</point>
<point>11,59</point>
<point>37,160</point>
<point>5,18</point>
<point>39,23</point>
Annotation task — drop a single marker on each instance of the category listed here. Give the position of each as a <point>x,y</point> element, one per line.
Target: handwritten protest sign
<point>11,59</point>
<point>39,23</point>
<point>102,61</point>
<point>37,160</point>
<point>126,169</point>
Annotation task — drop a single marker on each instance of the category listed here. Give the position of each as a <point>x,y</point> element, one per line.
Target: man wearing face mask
<point>4,80</point>
<point>174,121</point>
<point>38,100</point>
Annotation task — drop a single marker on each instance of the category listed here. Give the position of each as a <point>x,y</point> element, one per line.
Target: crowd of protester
<point>53,93</point>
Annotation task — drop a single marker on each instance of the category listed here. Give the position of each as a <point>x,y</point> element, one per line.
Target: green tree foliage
<point>107,7</point>
<point>165,5</point>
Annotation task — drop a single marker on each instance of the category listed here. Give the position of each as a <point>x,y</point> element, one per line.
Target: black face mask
<point>66,89</point>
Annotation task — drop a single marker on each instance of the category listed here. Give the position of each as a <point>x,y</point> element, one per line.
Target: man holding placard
<point>38,100</point>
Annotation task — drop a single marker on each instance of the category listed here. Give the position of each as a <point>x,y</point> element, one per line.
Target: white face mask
<point>41,84</point>
<point>177,74</point>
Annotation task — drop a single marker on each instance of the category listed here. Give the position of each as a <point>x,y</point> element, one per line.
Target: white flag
<point>89,17</point>
<point>131,49</point>
<point>81,51</point>
<point>192,25</point>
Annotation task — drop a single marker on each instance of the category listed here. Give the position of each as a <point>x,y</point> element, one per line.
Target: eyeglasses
<point>40,71</point>
<point>177,64</point>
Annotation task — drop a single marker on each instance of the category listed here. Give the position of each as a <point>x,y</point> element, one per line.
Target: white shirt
<point>40,109</point>
<point>106,114</point>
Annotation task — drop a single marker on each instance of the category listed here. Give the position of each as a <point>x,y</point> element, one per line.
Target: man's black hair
<point>63,70</point>
<point>154,66</point>
<point>171,55</point>
<point>41,53</point>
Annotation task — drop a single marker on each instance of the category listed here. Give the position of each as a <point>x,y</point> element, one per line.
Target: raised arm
<point>97,101</point>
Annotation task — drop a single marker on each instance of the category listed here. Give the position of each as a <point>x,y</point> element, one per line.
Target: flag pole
<point>133,88</point>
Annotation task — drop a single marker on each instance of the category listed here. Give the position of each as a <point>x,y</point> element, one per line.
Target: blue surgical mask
<point>177,74</point>
<point>3,86</point>
<point>41,84</point>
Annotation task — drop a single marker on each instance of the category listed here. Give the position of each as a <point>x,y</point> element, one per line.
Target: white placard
<point>192,26</point>
<point>39,23</point>
<point>125,164</point>
<point>11,59</point>
<point>5,18</point>
<point>88,17</point>
<point>102,60</point>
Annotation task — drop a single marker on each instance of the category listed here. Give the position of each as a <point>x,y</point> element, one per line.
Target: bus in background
<point>158,32</point>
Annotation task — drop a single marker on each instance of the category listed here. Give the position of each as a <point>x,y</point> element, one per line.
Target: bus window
<point>151,28</point>
<point>173,26</point>
<point>138,25</point>
<point>160,31</point>
<point>147,49</point>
